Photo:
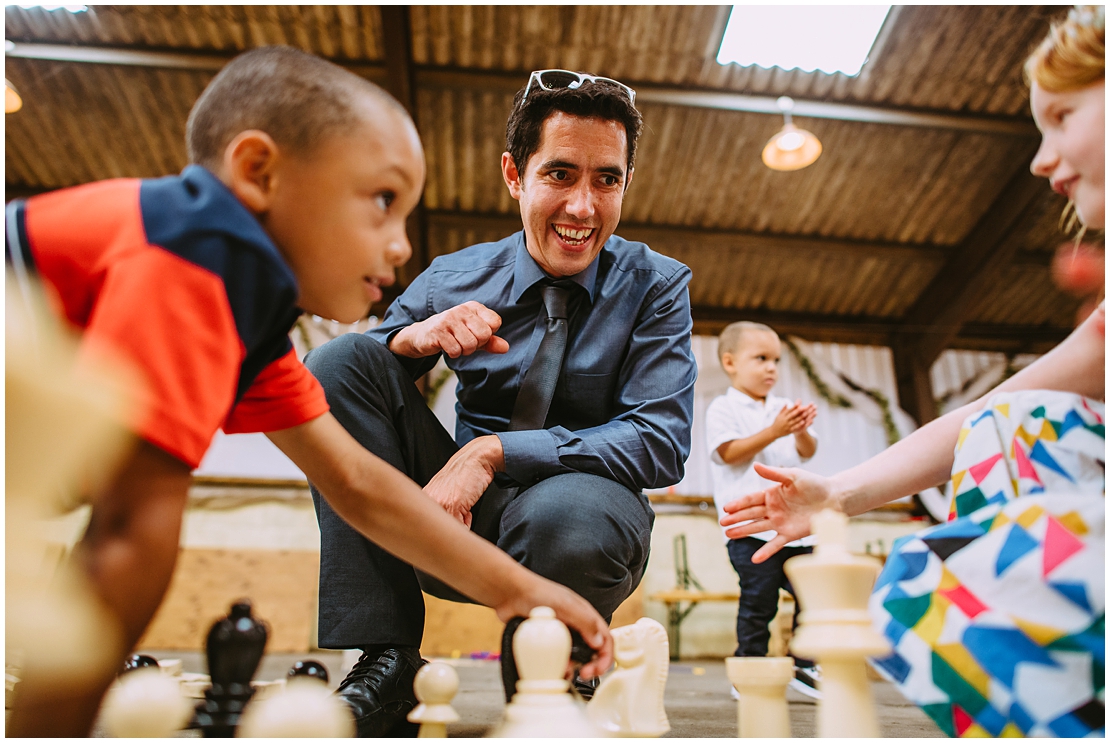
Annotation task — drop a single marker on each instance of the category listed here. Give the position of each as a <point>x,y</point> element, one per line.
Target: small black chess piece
<point>234,649</point>
<point>309,668</point>
<point>137,661</point>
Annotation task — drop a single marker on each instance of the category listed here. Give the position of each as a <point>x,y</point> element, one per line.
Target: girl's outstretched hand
<point>785,507</point>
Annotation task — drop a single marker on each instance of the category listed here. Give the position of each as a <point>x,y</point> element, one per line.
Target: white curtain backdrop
<point>846,436</point>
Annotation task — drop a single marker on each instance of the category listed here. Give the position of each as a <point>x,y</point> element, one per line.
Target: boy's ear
<point>727,362</point>
<point>250,165</point>
<point>511,175</point>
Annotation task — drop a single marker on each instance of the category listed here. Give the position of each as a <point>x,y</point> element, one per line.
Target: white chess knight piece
<point>761,711</point>
<point>145,704</point>
<point>435,685</point>
<point>834,627</point>
<point>629,701</point>
<point>305,709</point>
<point>542,706</point>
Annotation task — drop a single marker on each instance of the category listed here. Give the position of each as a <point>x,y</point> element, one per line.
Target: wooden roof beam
<point>400,82</point>
<point>510,82</point>
<point>937,316</point>
<point>877,331</point>
<point>710,239</point>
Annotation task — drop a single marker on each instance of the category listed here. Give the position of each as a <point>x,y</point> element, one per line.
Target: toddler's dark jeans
<point>759,594</point>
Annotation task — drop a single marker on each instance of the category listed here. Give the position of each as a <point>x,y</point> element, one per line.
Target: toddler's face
<point>339,212</point>
<point>753,367</point>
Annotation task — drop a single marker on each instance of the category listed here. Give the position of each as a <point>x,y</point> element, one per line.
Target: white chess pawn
<point>761,710</point>
<point>435,685</point>
<point>145,704</point>
<point>542,706</point>
<point>305,709</point>
<point>834,627</point>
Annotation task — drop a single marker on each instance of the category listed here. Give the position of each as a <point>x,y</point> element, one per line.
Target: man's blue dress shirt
<point>624,404</point>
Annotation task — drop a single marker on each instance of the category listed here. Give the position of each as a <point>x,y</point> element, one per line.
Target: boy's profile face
<point>753,366</point>
<point>338,213</point>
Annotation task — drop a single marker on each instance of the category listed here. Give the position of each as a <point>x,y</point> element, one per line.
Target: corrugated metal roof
<point>938,57</point>
<point>859,234</point>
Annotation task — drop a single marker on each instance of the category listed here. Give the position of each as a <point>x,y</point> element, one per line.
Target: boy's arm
<point>743,450</point>
<point>805,444</point>
<point>392,511</point>
<point>128,551</point>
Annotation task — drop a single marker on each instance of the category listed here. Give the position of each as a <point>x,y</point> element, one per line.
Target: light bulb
<point>790,141</point>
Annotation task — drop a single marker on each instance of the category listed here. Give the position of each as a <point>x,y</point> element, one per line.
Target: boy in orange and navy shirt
<point>302,177</point>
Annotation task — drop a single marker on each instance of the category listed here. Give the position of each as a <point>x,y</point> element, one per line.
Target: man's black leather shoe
<point>379,691</point>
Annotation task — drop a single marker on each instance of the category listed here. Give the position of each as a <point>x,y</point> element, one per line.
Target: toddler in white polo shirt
<point>745,425</point>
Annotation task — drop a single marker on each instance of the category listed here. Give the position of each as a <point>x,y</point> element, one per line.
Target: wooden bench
<point>688,591</point>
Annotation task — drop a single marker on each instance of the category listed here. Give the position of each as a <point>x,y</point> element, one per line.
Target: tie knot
<point>555,295</point>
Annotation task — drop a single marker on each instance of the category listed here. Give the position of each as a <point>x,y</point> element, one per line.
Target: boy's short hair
<point>604,100</point>
<point>729,339</point>
<point>298,99</point>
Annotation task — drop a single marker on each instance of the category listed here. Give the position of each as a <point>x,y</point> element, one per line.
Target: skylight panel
<point>830,38</point>
<point>70,8</point>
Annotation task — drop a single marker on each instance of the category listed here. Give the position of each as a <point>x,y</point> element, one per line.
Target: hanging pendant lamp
<point>792,148</point>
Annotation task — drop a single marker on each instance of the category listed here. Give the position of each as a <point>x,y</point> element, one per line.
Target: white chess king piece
<point>305,709</point>
<point>834,627</point>
<point>435,685</point>
<point>145,704</point>
<point>629,701</point>
<point>542,706</point>
<point>761,711</point>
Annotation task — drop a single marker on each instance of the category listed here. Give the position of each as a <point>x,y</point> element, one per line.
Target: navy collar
<point>527,272</point>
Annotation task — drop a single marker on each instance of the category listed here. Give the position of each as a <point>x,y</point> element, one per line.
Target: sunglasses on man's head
<point>565,79</point>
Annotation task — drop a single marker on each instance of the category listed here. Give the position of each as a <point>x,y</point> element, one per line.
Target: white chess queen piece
<point>629,701</point>
<point>435,686</point>
<point>542,706</point>
<point>834,627</point>
<point>761,710</point>
<point>145,704</point>
<point>305,709</point>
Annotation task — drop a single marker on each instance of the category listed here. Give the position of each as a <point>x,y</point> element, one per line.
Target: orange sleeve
<point>284,394</point>
<point>181,336</point>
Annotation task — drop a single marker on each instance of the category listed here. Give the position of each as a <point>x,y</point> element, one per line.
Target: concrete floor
<point>697,698</point>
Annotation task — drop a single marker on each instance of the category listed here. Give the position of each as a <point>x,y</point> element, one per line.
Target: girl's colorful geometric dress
<point>997,617</point>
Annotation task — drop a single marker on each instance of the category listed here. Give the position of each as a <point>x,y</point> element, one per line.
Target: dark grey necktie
<point>534,399</point>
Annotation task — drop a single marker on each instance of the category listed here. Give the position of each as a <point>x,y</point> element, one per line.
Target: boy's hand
<point>461,482</point>
<point>459,331</point>
<point>786,507</point>
<point>573,611</point>
<point>809,414</point>
<point>789,420</point>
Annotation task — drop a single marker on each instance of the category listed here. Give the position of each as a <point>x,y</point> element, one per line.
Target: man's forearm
<point>633,454</point>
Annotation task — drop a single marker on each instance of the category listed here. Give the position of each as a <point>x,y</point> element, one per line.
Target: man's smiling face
<point>571,191</point>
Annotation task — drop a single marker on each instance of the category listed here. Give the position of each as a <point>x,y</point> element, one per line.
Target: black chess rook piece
<point>234,648</point>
